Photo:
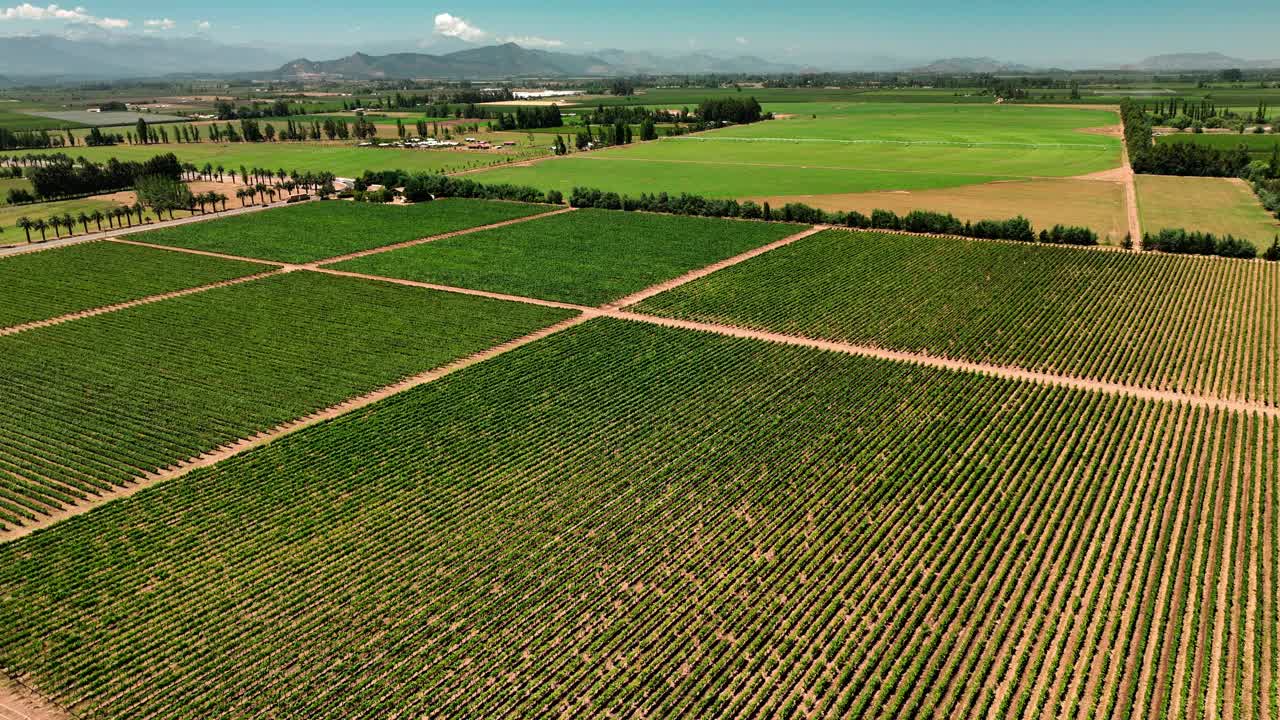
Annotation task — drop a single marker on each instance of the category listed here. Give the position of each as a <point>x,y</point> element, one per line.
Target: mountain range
<point>509,60</point>
<point>113,56</point>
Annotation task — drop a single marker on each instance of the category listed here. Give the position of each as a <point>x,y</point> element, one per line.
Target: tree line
<point>63,177</point>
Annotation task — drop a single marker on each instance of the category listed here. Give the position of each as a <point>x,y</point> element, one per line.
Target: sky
<point>831,34</point>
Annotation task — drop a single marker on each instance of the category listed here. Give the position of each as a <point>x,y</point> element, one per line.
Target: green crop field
<point>1260,146</point>
<point>342,160</point>
<point>846,149</point>
<point>18,121</point>
<point>623,520</point>
<point>95,403</point>
<point>588,257</point>
<point>313,231</point>
<point>1192,324</point>
<point>41,285</point>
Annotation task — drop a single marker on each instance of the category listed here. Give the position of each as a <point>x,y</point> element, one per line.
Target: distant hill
<point>1199,61</point>
<point>124,56</point>
<point>642,62</point>
<point>972,65</point>
<point>496,61</point>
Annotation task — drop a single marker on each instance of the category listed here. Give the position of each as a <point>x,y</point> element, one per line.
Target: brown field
<point>1224,206</point>
<point>1095,204</point>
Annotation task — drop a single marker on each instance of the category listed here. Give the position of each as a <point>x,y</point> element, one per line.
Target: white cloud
<point>203,25</point>
<point>27,11</point>
<point>160,24</point>
<point>740,40</point>
<point>455,27</point>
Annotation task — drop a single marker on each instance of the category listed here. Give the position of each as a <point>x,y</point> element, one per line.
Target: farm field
<point>588,257</point>
<point>47,284</point>
<point>96,403</point>
<point>1093,204</point>
<point>317,230</point>
<point>80,118</point>
<point>1217,205</point>
<point>861,148</point>
<point>1260,146</point>
<point>344,160</point>
<point>1195,325</point>
<point>628,520</point>
<point>18,121</point>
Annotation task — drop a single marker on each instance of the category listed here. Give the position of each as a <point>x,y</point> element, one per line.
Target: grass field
<point>7,184</point>
<point>314,231</point>
<point>1216,205</point>
<point>1190,324</point>
<point>849,149</point>
<point>630,521</point>
<point>1096,205</point>
<point>344,160</point>
<point>9,215</point>
<point>1260,146</point>
<point>18,121</point>
<point>41,285</point>
<point>94,403</point>
<point>587,257</point>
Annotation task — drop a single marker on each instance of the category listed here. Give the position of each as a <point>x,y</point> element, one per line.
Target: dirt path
<point>459,290</point>
<point>14,329</point>
<point>263,438</point>
<point>1002,371</point>
<point>17,702</point>
<point>1131,199</point>
<point>433,238</point>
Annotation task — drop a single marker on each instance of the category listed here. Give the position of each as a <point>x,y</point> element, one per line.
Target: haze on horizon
<point>827,34</point>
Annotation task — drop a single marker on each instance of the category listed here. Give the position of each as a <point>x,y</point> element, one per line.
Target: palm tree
<point>41,225</point>
<point>69,223</point>
<point>271,193</point>
<point>207,170</point>
<point>83,218</point>
<point>25,223</point>
<point>96,217</point>
<point>232,173</point>
<point>262,192</point>
<point>219,197</point>
<point>220,170</point>
<point>55,222</point>
<point>240,196</point>
<point>137,210</point>
<point>281,175</point>
<point>199,200</point>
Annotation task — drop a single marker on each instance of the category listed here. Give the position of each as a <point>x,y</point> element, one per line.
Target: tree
<point>55,222</point>
<point>1273,252</point>
<point>25,223</point>
<point>83,218</point>
<point>141,131</point>
<point>96,216</point>
<point>41,225</point>
<point>163,194</point>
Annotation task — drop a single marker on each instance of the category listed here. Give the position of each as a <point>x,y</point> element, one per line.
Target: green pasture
<point>849,149</point>
<point>1260,146</point>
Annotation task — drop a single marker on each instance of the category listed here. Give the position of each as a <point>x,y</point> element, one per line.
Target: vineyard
<point>314,231</point>
<point>42,285</point>
<point>626,520</point>
<point>1200,326</point>
<point>92,404</point>
<point>588,257</point>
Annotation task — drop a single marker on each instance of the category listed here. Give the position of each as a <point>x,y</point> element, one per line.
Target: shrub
<point>1177,240</point>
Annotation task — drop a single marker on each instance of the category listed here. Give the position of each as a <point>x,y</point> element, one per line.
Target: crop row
<point>628,520</point>
<point>1195,325</point>
<point>92,404</point>
<point>42,285</point>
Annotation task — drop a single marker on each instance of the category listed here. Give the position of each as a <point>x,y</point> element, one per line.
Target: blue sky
<point>840,34</point>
